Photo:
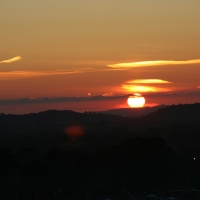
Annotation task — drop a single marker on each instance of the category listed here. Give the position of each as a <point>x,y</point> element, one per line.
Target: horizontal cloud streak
<point>148,81</point>
<point>152,63</point>
<point>11,60</point>
<point>29,74</point>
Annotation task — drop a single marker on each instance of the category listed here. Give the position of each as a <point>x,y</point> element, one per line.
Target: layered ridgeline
<point>177,124</point>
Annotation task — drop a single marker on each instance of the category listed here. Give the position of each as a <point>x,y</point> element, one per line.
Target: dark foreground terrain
<point>69,155</point>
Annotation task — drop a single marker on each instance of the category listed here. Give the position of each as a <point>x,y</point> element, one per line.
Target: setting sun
<point>136,101</point>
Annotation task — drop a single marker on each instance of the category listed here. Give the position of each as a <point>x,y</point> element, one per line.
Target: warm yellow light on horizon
<point>136,101</point>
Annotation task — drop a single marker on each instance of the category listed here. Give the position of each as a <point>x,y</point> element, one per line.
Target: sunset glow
<point>100,99</point>
<point>68,50</point>
<point>136,101</point>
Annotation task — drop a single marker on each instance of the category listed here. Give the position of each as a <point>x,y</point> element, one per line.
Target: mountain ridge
<point>133,112</point>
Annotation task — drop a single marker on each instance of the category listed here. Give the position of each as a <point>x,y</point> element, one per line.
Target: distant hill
<point>51,117</point>
<point>133,112</point>
<point>182,112</point>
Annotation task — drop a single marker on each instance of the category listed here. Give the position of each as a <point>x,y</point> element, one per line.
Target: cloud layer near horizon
<point>152,63</point>
<point>93,98</point>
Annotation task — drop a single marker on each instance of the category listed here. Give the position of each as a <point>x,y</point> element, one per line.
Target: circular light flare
<point>74,131</point>
<point>136,101</point>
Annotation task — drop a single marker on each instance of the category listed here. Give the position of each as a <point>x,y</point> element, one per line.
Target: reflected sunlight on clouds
<point>131,86</point>
<point>154,81</point>
<point>153,63</point>
<point>136,88</point>
<point>11,60</point>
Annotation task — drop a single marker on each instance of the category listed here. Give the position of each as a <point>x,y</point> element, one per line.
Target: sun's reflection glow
<point>134,88</point>
<point>148,81</point>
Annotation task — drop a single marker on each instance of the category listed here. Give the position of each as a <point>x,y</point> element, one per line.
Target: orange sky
<point>72,48</point>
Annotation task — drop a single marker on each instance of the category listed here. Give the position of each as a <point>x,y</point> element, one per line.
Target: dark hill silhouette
<point>177,124</point>
<point>182,112</point>
<point>65,154</point>
<point>50,117</point>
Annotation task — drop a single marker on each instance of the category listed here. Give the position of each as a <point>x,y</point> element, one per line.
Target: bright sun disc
<point>136,101</point>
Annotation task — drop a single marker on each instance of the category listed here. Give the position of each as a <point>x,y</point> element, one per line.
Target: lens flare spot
<point>74,131</point>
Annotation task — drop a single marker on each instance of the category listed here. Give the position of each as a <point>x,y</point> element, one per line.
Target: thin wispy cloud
<point>29,74</point>
<point>11,60</point>
<point>152,63</point>
<point>149,81</point>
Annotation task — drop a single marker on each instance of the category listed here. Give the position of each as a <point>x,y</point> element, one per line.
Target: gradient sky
<point>75,47</point>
